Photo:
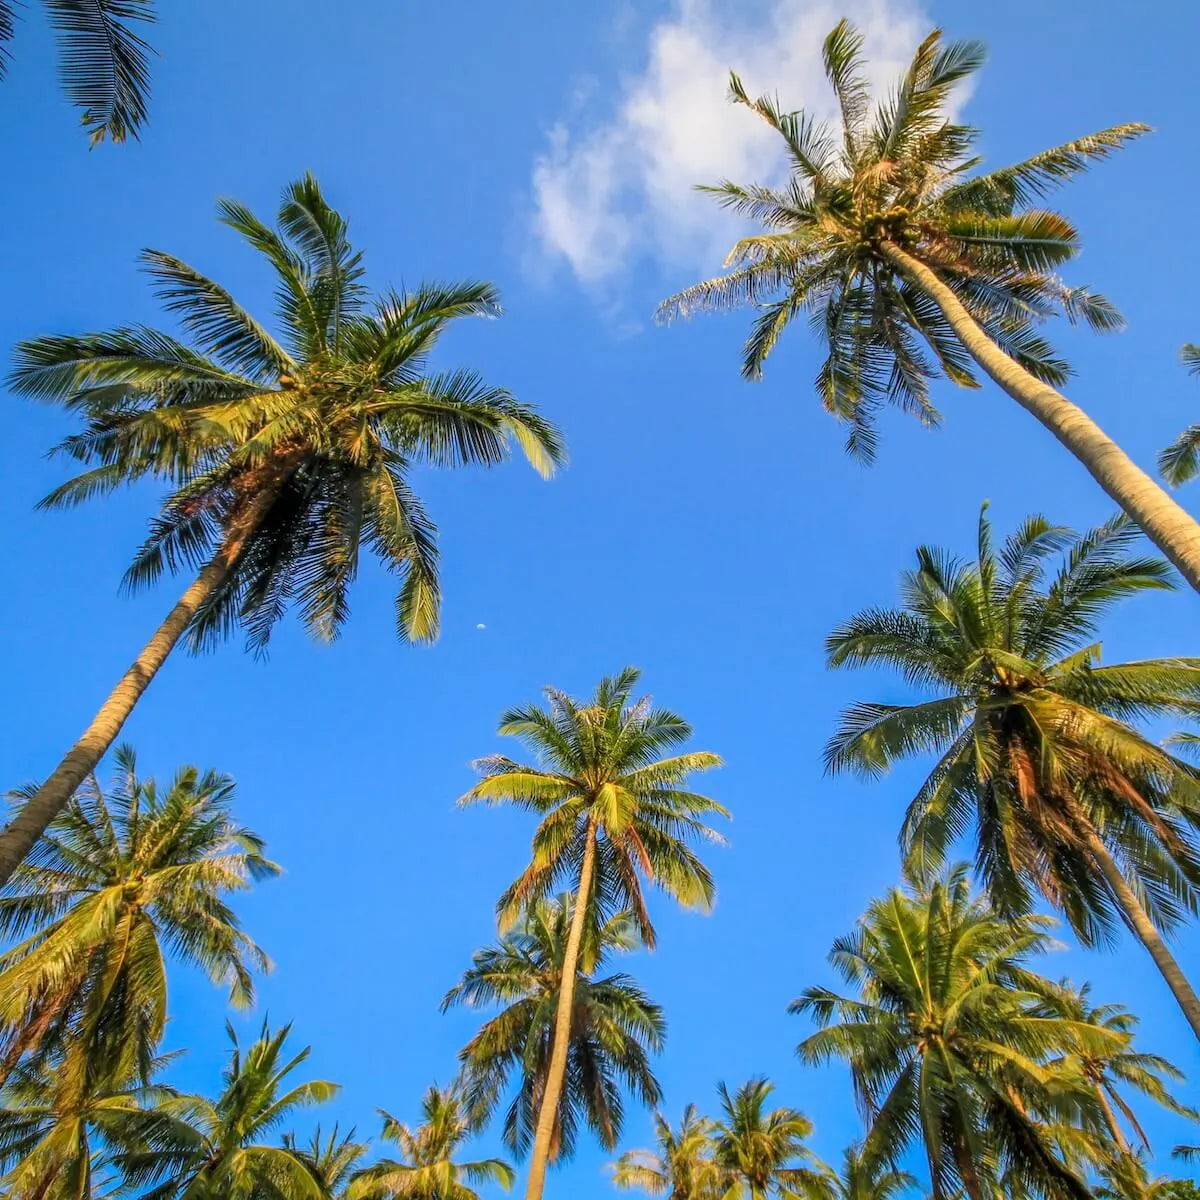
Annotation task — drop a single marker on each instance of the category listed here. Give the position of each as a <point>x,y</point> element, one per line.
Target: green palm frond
<point>1180,461</point>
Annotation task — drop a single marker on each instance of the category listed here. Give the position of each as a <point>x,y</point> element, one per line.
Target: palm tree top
<point>900,173</point>
<point>600,767</point>
<point>304,443</point>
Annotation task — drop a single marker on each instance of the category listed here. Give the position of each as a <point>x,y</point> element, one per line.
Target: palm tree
<point>1180,461</point>
<point>1032,734</point>
<point>683,1166</point>
<point>61,1122</point>
<point>947,1041</point>
<point>756,1150</point>
<point>864,1176</point>
<point>286,459</point>
<point>1109,1066</point>
<point>199,1149</point>
<point>331,1158</point>
<point>122,879</point>
<point>614,1029</point>
<point>911,266</point>
<point>428,1170</point>
<point>103,61</point>
<point>612,813</point>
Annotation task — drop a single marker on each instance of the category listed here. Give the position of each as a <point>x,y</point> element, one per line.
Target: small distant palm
<point>123,879</point>
<point>215,1149</point>
<point>864,1176</point>
<point>759,1151</point>
<point>332,1158</point>
<point>1038,757</point>
<point>428,1169</point>
<point>614,1029</point>
<point>1180,461</point>
<point>103,61</point>
<point>1116,1063</point>
<point>613,811</point>
<point>948,1042</point>
<point>682,1167</point>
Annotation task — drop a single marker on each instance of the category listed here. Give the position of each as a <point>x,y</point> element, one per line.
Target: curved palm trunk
<point>1139,921</point>
<point>555,1076</point>
<point>31,820</point>
<point>1110,1119</point>
<point>1169,526</point>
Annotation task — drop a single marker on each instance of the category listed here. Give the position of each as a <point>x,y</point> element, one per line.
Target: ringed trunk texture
<point>544,1131</point>
<point>1169,526</point>
<point>1143,928</point>
<point>31,820</point>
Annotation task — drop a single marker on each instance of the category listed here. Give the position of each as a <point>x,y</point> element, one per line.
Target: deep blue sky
<point>707,530</point>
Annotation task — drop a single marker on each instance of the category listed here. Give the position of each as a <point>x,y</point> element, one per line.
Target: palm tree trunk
<point>1110,1119</point>
<point>967,1172</point>
<point>31,820</point>
<point>1139,921</point>
<point>1169,526</point>
<point>555,1076</point>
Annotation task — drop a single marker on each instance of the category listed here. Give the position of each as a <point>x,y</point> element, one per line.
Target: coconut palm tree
<point>612,813</point>
<point>429,1170</point>
<point>864,1176</point>
<point>1033,736</point>
<point>1180,461</point>
<point>199,1149</point>
<point>1109,1066</point>
<point>948,1044</point>
<point>682,1167</point>
<point>61,1122</point>
<point>614,1029</point>
<point>910,264</point>
<point>123,878</point>
<point>758,1151</point>
<point>286,459</point>
<point>332,1158</point>
<point>103,61</point>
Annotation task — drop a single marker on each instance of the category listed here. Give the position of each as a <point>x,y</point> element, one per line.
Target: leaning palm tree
<point>285,458</point>
<point>758,1151</point>
<point>1115,1064</point>
<point>682,1167</point>
<point>103,62</point>
<point>948,1045</point>
<point>1180,461</point>
<point>910,266</point>
<point>612,813</point>
<point>1033,736</point>
<point>123,878</point>
<point>429,1170</point>
<point>614,1029</point>
<point>199,1149</point>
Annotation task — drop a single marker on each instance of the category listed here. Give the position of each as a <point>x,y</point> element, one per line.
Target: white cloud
<point>611,192</point>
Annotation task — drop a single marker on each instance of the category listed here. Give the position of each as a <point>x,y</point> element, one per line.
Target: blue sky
<point>707,530</point>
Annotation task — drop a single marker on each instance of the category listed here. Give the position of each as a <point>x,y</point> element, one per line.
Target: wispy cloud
<point>614,189</point>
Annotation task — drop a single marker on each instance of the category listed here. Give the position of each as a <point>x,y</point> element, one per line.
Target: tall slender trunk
<point>1168,525</point>
<point>32,818</point>
<point>547,1114</point>
<point>1110,1119</point>
<point>966,1171</point>
<point>1138,919</point>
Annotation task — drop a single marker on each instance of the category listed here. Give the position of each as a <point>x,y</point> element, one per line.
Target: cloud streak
<point>616,190</point>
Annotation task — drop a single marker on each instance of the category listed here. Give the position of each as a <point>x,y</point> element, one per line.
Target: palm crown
<point>300,450</point>
<point>898,175</point>
<point>123,876</point>
<point>429,1170</point>
<point>605,783</point>
<point>1032,733</point>
<point>682,1168</point>
<point>614,1028</point>
<point>947,1037</point>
